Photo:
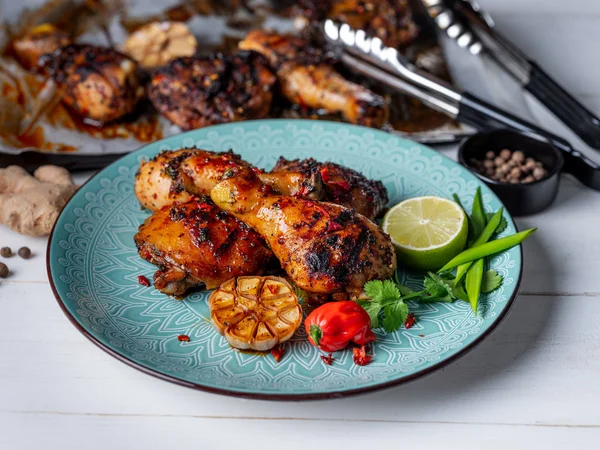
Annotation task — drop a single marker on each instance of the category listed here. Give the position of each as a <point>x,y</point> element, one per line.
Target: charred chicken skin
<point>194,92</point>
<point>306,78</point>
<point>195,244</point>
<point>98,83</point>
<point>324,248</point>
<point>177,175</point>
<point>341,185</point>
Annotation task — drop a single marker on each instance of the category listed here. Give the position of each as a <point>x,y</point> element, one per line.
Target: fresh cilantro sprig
<point>386,306</point>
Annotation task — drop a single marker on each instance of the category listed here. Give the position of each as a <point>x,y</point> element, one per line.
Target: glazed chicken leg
<point>306,79</point>
<point>324,248</point>
<point>178,174</point>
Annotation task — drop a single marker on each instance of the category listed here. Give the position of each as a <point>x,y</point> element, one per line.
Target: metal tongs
<point>368,56</point>
<point>473,30</point>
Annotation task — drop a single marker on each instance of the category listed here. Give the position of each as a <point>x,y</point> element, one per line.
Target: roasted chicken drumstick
<point>324,248</point>
<point>178,174</point>
<point>305,78</point>
<point>195,244</point>
<point>98,83</point>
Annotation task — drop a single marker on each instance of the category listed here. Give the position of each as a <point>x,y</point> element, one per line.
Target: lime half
<point>427,231</point>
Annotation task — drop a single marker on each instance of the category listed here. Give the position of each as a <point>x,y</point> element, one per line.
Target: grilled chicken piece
<point>306,78</point>
<point>98,83</point>
<point>177,174</point>
<point>196,244</point>
<point>41,40</point>
<point>324,248</point>
<point>341,185</point>
<point>194,92</point>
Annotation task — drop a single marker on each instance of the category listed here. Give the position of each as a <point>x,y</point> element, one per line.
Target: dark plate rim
<point>280,397</point>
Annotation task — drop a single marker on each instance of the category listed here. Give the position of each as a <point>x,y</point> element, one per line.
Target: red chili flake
<point>256,170</point>
<point>410,321</point>
<point>342,184</point>
<point>332,225</point>
<point>203,206</point>
<point>183,338</point>
<point>325,174</point>
<point>327,359</point>
<point>143,280</point>
<point>360,355</point>
<point>421,335</point>
<point>273,288</point>
<point>278,351</point>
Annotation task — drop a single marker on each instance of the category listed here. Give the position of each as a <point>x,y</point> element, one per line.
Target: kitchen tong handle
<point>564,106</point>
<point>482,115</point>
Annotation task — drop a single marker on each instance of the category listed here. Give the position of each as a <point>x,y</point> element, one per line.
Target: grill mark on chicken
<point>193,92</point>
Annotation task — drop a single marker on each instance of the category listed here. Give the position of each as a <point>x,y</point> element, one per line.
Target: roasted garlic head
<point>255,312</point>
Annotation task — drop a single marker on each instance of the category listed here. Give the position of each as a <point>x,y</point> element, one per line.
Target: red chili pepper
<point>326,177</point>
<point>333,225</point>
<point>183,338</point>
<point>273,288</point>
<point>410,321</point>
<point>203,206</point>
<point>327,359</point>
<point>332,326</point>
<point>143,280</point>
<point>360,355</point>
<point>342,184</point>
<point>325,174</point>
<point>278,351</point>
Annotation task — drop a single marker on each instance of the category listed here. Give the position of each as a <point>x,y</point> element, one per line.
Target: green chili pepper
<point>485,236</point>
<point>473,283</point>
<point>477,215</point>
<point>487,249</point>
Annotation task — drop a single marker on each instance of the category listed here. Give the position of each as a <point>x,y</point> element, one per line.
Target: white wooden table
<point>534,382</point>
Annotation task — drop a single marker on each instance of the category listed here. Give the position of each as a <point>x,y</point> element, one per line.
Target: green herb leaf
<point>394,316</point>
<point>501,226</point>
<point>372,309</point>
<point>492,280</point>
<point>438,289</point>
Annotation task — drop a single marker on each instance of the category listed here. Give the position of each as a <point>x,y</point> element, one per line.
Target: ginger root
<point>31,204</point>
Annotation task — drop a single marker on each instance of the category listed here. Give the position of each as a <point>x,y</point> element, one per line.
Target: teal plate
<point>93,268</point>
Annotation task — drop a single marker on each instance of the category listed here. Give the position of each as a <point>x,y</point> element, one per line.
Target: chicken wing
<point>324,248</point>
<point>195,244</point>
<point>307,79</point>
<point>341,185</point>
<point>177,174</point>
<point>194,92</point>
<point>98,83</point>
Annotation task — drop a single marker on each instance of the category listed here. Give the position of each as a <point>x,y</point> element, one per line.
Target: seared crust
<point>98,83</point>
<point>194,92</point>
<point>342,185</point>
<point>196,244</point>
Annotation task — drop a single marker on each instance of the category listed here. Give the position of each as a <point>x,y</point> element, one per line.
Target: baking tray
<point>60,138</point>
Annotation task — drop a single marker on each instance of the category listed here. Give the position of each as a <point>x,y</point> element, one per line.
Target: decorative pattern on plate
<point>94,267</point>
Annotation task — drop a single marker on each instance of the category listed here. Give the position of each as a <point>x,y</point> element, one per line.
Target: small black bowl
<point>520,199</point>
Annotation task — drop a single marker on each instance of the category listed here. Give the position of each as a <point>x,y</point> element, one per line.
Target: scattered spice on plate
<point>24,252</point>
<point>143,280</point>
<point>3,270</point>
<point>183,338</point>
<point>509,166</point>
<point>278,351</point>
<point>410,321</point>
<point>6,252</point>
<point>360,355</point>
<point>327,359</point>
<point>421,335</point>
